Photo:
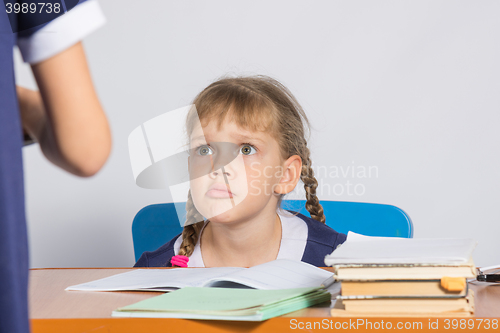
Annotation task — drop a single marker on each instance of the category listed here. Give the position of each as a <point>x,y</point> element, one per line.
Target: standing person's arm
<point>66,117</point>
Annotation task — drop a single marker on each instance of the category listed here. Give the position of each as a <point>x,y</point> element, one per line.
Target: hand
<point>65,117</point>
<point>32,113</point>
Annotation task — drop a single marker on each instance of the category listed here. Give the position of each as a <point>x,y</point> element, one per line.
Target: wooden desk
<point>52,309</point>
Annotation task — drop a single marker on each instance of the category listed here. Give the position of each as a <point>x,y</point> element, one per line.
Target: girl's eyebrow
<point>239,137</point>
<point>247,138</point>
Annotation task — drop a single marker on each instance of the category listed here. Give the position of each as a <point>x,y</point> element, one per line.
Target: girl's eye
<point>205,150</point>
<point>248,150</point>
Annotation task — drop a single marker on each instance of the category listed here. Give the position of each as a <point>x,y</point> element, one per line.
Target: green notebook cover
<point>225,303</point>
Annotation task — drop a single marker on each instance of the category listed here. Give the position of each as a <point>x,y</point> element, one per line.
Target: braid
<point>194,224</point>
<point>310,184</point>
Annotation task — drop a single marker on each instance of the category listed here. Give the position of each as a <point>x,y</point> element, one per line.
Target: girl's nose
<point>222,171</point>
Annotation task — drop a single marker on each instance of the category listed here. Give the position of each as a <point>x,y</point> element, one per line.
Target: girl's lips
<point>219,194</point>
<point>219,191</point>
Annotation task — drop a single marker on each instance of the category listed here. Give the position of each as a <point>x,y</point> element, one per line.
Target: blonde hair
<point>256,103</point>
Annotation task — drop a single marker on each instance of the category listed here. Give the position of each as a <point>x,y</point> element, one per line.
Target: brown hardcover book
<point>398,288</point>
<point>459,307</point>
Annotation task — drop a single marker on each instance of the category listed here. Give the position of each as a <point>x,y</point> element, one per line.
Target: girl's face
<point>234,172</point>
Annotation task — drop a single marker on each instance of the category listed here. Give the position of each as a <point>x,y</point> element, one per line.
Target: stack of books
<point>386,276</point>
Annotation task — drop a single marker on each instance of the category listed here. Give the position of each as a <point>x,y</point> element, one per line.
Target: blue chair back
<point>155,225</point>
<point>363,218</point>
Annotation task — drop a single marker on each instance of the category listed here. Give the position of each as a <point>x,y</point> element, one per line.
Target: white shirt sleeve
<point>62,32</point>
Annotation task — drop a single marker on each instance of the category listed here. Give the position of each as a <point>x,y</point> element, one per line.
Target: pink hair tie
<point>180,261</point>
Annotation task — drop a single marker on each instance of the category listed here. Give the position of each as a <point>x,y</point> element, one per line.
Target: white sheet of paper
<point>360,249</point>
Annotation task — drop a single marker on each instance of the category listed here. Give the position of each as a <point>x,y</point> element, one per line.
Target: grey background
<point>410,87</point>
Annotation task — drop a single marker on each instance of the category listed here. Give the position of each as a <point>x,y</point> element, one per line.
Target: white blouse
<point>293,240</point>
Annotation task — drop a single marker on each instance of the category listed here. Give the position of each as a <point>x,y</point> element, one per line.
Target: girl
<point>233,211</point>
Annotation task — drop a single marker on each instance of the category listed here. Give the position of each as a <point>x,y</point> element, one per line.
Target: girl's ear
<point>292,168</point>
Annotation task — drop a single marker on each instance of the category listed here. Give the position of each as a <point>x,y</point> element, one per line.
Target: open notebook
<point>277,274</point>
